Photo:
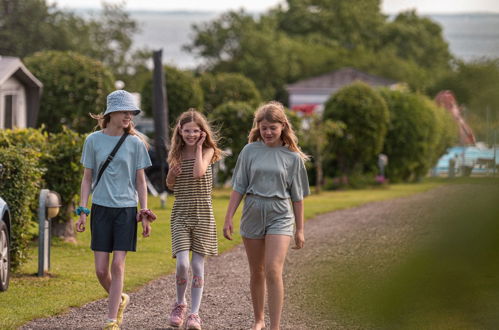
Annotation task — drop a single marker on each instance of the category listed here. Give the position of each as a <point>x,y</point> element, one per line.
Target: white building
<point>309,95</point>
<point>20,94</point>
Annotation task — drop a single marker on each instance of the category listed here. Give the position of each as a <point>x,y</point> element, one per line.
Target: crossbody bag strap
<point>110,158</point>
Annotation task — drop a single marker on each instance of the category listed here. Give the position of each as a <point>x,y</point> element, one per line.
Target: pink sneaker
<point>193,322</point>
<point>177,315</point>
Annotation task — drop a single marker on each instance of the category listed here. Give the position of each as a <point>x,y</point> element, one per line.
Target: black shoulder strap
<point>110,158</point>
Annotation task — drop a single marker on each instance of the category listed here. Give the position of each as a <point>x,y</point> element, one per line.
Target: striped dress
<point>192,221</point>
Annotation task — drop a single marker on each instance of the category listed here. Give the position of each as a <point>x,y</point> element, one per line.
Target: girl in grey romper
<point>270,171</point>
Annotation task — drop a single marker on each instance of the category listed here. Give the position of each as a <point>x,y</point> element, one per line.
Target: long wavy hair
<point>103,121</point>
<point>177,144</point>
<point>273,112</point>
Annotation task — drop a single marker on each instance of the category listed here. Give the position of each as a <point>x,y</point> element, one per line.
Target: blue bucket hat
<point>121,100</point>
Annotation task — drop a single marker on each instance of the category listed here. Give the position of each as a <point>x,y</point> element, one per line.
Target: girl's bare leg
<point>255,250</point>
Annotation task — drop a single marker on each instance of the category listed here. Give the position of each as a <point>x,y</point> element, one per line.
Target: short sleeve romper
<point>271,178</point>
<point>192,221</point>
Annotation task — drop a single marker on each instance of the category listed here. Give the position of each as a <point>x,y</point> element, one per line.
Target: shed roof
<point>339,78</point>
<point>12,66</point>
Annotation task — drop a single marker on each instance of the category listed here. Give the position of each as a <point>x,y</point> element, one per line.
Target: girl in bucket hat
<point>115,195</point>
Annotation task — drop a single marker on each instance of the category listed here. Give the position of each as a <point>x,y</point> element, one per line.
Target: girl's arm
<point>299,219</point>
<point>203,158</point>
<point>235,200</point>
<point>140,183</point>
<point>86,183</point>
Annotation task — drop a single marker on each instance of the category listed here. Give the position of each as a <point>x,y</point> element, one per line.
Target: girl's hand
<point>146,214</point>
<point>201,139</point>
<point>228,230</point>
<point>80,224</point>
<point>299,240</point>
<point>176,170</point>
<point>146,228</point>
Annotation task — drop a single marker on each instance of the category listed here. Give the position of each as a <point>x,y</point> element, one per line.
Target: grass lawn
<point>73,283</point>
<point>446,277</point>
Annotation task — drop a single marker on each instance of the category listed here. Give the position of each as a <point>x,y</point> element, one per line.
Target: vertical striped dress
<point>192,222</point>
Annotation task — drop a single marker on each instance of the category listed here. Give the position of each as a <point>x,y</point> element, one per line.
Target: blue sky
<point>388,6</point>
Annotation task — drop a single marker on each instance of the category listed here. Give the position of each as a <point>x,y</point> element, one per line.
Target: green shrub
<point>227,87</point>
<point>182,90</point>
<point>73,86</point>
<point>366,117</point>
<point>19,186</point>
<point>58,155</point>
<point>234,119</point>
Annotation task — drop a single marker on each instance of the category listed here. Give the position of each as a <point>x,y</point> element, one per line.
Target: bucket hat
<point>121,100</point>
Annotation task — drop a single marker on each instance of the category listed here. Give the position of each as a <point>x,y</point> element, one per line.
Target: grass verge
<point>73,283</point>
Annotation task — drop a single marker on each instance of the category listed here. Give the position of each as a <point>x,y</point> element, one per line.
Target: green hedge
<point>53,164</point>
<point>366,117</point>
<point>20,185</point>
<point>73,86</point>
<point>227,87</point>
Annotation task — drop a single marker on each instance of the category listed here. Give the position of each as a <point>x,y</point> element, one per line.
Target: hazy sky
<point>388,6</point>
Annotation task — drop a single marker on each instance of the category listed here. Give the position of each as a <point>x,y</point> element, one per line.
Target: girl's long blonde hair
<point>103,121</point>
<point>273,112</point>
<point>211,140</point>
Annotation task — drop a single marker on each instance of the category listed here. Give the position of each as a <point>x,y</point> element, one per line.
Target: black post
<point>160,114</point>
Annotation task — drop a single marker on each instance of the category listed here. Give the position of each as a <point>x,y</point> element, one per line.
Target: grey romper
<point>270,177</point>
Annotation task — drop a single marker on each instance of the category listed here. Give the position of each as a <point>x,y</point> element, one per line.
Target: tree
<point>317,135</point>
<point>234,120</point>
<point>366,118</point>
<point>74,85</point>
<point>226,87</point>
<point>182,90</point>
<point>30,26</point>
<point>411,142</point>
<point>351,24</point>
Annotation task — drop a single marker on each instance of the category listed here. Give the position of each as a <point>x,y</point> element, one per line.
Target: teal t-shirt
<point>270,172</point>
<point>117,186</point>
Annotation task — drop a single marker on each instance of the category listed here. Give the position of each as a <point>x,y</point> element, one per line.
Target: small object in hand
<point>81,209</point>
<point>148,214</point>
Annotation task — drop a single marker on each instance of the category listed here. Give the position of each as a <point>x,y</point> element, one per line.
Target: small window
<point>10,111</point>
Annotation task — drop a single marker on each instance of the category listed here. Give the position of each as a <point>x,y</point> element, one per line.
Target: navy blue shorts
<point>113,228</point>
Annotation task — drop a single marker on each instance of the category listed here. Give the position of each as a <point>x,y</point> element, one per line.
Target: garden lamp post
<point>48,207</point>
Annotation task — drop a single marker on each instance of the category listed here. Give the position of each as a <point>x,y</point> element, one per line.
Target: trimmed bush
<point>73,86</point>
<point>19,187</point>
<point>234,120</point>
<point>365,116</point>
<point>182,90</point>
<point>58,154</point>
<point>227,87</point>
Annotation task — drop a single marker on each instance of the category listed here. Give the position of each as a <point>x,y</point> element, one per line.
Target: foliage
<point>227,87</point>
<point>31,26</point>
<point>418,40</point>
<point>20,184</point>
<point>475,86</point>
<point>351,24</point>
<point>234,120</point>
<point>64,169</point>
<point>310,37</point>
<point>57,155</point>
<point>182,91</point>
<point>316,135</point>
<point>417,135</point>
<point>366,118</point>
<point>74,85</point>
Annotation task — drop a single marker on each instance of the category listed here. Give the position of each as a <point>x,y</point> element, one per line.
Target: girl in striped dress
<point>193,151</point>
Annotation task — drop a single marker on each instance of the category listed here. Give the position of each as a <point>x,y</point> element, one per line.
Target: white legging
<point>197,278</point>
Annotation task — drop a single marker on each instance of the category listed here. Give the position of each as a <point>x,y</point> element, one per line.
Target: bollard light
<point>48,207</point>
<point>53,203</point>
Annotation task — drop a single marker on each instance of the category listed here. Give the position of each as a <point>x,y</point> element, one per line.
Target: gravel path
<point>227,303</point>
